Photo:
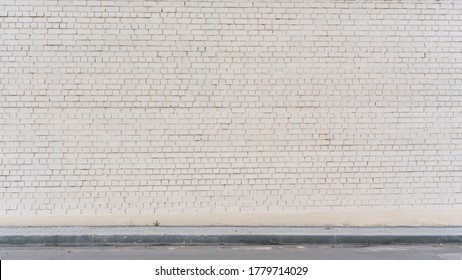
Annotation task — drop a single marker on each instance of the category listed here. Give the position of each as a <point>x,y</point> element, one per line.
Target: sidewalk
<point>97,236</point>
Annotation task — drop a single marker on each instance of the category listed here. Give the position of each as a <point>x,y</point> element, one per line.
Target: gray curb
<point>101,236</point>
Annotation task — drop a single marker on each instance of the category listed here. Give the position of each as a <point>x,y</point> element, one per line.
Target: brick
<point>119,107</point>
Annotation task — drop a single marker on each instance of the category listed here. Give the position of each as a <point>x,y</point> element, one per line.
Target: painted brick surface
<point>141,107</point>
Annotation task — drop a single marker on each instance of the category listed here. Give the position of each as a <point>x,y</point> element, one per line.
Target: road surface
<point>308,252</point>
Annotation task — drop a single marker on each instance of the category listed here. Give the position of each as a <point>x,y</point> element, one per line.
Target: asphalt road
<point>308,252</point>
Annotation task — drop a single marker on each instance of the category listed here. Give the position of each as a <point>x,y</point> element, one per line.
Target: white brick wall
<point>146,107</point>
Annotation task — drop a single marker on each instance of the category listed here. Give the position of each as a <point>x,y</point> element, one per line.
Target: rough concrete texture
<point>80,236</point>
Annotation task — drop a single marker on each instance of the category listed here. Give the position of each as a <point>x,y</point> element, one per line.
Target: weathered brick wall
<point>148,107</point>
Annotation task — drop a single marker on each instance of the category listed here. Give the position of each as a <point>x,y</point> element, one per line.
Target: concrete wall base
<point>451,217</point>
